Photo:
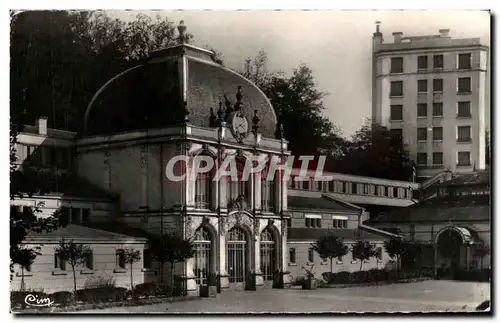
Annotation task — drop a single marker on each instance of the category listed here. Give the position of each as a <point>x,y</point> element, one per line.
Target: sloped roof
<point>81,233</point>
<point>306,234</point>
<point>318,203</point>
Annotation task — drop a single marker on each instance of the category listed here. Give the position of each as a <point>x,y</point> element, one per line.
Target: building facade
<point>433,90</point>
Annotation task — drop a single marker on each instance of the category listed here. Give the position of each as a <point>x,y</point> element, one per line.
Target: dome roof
<point>153,95</point>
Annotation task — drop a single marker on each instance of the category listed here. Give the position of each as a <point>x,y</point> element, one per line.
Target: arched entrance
<point>452,249</point>
<point>203,264</point>
<point>237,255</point>
<point>267,254</point>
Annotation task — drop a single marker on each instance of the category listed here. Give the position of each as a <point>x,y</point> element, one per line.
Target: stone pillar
<point>224,277</point>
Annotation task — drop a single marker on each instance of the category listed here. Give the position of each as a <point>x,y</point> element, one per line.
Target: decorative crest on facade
<point>238,204</point>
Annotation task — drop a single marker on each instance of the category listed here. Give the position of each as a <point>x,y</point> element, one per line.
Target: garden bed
<point>378,283</point>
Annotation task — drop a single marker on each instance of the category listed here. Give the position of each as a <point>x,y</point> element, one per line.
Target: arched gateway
<point>237,248</point>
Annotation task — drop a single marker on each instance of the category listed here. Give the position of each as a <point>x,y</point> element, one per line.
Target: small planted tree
<point>75,254</point>
<point>131,256</point>
<point>331,247</point>
<point>363,250</point>
<point>395,248</point>
<point>25,258</point>
<point>172,248</point>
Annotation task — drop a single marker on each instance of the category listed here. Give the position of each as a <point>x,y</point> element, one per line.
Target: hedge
<point>373,275</point>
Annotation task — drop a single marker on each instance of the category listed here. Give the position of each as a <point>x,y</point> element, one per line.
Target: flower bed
<point>375,276</point>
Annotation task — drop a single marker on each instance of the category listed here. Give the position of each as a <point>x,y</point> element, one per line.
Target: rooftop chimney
<point>41,124</point>
<point>444,32</point>
<point>397,36</point>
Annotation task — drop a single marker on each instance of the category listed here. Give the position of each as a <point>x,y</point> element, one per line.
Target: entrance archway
<point>203,264</point>
<point>237,255</point>
<point>267,254</point>
<point>452,248</point>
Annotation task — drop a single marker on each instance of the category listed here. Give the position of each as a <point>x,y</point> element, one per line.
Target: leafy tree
<point>75,254</point>
<point>172,248</point>
<point>25,259</point>
<point>363,250</point>
<point>395,248</point>
<point>412,252</point>
<point>331,247</point>
<point>131,256</point>
<point>375,151</point>
<point>298,104</point>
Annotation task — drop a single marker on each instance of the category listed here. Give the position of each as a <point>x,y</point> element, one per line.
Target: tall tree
<point>298,104</point>
<point>363,250</point>
<point>75,254</point>
<point>331,247</point>
<point>375,151</point>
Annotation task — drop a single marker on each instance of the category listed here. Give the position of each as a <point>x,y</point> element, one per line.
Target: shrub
<point>62,298</point>
<point>95,282</point>
<point>102,294</point>
<point>153,289</point>
<point>478,275</point>
<point>377,275</point>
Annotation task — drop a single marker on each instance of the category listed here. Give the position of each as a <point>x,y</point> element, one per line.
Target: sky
<point>336,45</point>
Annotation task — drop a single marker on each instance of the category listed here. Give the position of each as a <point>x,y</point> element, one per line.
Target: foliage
<point>363,250</point>
<point>374,275</point>
<point>374,151</point>
<point>309,272</point>
<point>406,252</point>
<point>75,254</point>
<point>59,59</point>
<point>94,282</point>
<point>131,256</point>
<point>172,248</point>
<point>298,105</point>
<point>395,249</point>
<point>482,251</point>
<point>331,247</point>
<point>102,294</point>
<point>17,297</point>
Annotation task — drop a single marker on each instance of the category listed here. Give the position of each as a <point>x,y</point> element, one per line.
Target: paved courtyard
<point>421,296</point>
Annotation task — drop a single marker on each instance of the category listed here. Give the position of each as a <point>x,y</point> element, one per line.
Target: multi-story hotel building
<point>434,91</point>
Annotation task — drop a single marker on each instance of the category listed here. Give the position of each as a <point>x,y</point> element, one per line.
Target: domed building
<point>180,103</point>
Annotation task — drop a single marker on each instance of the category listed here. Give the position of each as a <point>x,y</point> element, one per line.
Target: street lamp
<point>220,135</point>
<point>255,131</point>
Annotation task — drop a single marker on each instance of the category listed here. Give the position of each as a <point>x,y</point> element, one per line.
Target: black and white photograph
<point>250,161</point>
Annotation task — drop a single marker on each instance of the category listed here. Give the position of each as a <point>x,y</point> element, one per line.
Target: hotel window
<point>319,185</point>
<point>308,223</point>
<point>396,88</point>
<point>330,186</point>
<point>463,134</point>
<point>396,112</point>
<point>463,158</point>
<point>366,189</point>
<point>267,188</point>
<point>437,133</point>
<point>354,188</point>
<point>422,110</point>
<point>437,109</point>
<point>310,255</point>
<point>86,215</point>
<point>120,258</point>
<point>386,191</point>
<point>463,109</point>
<point>397,65</point>
<point>463,85</point>
<point>292,255</point>
<point>437,85</point>
<point>89,260</point>
<point>313,222</point>
<point>59,261</point>
<point>398,133</point>
<point>305,185</point>
<point>437,158</point>
<point>422,86</point>
<point>75,215</point>
<point>289,223</point>
<point>238,187</point>
<point>147,259</point>
<point>421,158</point>
<point>421,134</point>
<point>339,223</point>
<point>422,63</point>
<point>464,61</point>
<point>437,61</point>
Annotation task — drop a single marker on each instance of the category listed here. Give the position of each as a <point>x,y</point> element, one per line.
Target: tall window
<point>463,109</point>
<point>89,260</point>
<point>422,134</point>
<point>437,133</point>
<point>203,189</point>
<point>313,222</point>
<point>464,85</point>
<point>147,259</point>
<point>396,88</point>
<point>292,255</point>
<point>464,134</point>
<point>120,259</point>
<point>305,185</point>
<point>354,188</point>
<point>422,110</point>
<point>463,158</point>
<point>422,159</point>
<point>396,112</point>
<point>238,186</point>
<point>202,245</point>
<point>437,85</point>
<point>75,215</point>
<point>310,255</point>
<point>267,255</point>
<point>59,261</point>
<point>437,109</point>
<point>267,194</point>
<point>422,63</point>
<point>437,158</point>
<point>397,65</point>
<point>438,61</point>
<point>86,215</point>
<point>422,86</point>
<point>464,61</point>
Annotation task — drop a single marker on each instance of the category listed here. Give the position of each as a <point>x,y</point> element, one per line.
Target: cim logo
<point>33,300</point>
